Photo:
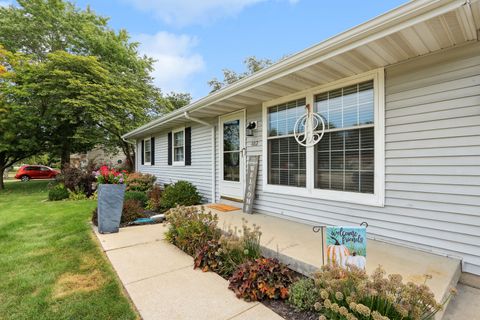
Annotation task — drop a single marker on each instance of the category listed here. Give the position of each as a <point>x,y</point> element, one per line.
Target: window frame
<point>375,199</point>
<point>145,142</point>
<point>174,162</point>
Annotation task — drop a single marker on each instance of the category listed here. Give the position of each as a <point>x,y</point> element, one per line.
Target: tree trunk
<point>2,185</point>
<point>65,156</point>
<point>128,151</point>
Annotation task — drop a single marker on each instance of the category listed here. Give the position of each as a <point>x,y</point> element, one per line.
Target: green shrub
<point>154,202</point>
<point>232,249</point>
<point>140,182</point>
<point>137,195</point>
<point>58,192</point>
<point>190,228</point>
<point>303,294</point>
<point>132,210</point>
<point>261,279</point>
<point>181,193</point>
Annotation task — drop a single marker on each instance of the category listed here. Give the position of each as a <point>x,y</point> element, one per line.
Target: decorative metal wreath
<point>309,121</point>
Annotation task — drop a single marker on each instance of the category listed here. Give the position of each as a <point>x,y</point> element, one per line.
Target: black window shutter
<point>169,148</point>
<point>188,146</point>
<point>152,151</point>
<point>143,152</point>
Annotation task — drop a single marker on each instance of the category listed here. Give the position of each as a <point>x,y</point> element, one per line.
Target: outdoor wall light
<point>250,127</point>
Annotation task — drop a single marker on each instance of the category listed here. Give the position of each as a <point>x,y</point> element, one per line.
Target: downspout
<point>188,117</point>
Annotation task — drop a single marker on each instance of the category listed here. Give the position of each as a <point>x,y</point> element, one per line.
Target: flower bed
<point>334,292</point>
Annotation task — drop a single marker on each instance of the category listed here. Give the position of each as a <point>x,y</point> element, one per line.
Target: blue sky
<point>194,39</point>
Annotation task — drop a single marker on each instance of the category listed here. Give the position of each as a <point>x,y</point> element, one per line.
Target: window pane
<point>282,118</point>
<point>366,182</point>
<point>351,181</point>
<point>147,156</point>
<point>178,153</point>
<point>345,161</point>
<point>347,107</point>
<point>147,145</point>
<point>231,166</point>
<point>231,135</point>
<point>286,162</point>
<point>178,139</point>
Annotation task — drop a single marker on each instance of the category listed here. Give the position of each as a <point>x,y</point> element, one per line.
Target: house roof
<point>416,28</point>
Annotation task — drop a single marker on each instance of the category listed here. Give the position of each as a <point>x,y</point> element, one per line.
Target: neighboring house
<point>401,98</point>
<point>99,156</point>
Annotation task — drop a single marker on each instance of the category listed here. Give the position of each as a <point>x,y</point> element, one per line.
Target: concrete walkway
<point>163,285</point>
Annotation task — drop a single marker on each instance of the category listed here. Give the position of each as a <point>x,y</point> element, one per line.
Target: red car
<point>28,172</point>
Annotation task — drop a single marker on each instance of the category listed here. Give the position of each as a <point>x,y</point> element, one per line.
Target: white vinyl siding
<point>198,173</point>
<point>432,161</point>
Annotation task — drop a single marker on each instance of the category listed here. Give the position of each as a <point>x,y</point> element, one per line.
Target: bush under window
<point>181,193</point>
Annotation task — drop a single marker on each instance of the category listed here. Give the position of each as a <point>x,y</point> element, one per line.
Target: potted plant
<point>111,191</point>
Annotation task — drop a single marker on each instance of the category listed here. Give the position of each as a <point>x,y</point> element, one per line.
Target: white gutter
<point>386,24</point>
<point>187,116</point>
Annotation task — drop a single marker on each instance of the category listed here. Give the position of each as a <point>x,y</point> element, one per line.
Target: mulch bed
<point>286,311</point>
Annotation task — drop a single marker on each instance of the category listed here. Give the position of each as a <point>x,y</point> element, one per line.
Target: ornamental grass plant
<point>349,294</point>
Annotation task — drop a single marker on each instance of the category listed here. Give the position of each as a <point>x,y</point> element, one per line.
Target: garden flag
<point>345,246</point>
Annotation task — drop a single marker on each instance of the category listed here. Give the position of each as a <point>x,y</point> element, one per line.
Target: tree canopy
<point>70,82</point>
<point>252,64</point>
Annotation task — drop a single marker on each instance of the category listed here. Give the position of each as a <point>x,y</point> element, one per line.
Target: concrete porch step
<point>298,246</point>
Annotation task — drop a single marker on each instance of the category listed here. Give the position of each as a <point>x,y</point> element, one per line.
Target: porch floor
<point>297,245</point>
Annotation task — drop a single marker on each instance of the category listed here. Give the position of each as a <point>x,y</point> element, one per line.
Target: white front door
<point>232,154</point>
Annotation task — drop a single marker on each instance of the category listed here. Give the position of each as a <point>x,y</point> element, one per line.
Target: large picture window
<point>348,163</point>
<point>286,158</point>
<point>344,158</point>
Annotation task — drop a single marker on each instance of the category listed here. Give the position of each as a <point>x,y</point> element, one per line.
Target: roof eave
<point>385,24</point>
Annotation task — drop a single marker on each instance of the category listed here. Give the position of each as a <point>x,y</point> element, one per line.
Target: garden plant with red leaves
<point>261,279</point>
<point>106,175</point>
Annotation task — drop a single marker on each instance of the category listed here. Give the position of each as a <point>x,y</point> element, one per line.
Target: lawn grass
<point>50,265</point>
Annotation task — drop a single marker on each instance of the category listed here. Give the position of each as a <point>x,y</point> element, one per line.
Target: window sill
<point>375,200</point>
<point>178,163</point>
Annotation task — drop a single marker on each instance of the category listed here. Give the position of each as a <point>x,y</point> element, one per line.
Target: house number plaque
<point>252,171</point>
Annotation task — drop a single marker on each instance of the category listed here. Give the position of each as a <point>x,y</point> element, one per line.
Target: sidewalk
<point>163,285</point>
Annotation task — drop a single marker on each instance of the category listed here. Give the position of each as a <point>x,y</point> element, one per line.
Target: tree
<point>40,28</point>
<point>20,124</point>
<point>252,65</point>
<point>175,100</point>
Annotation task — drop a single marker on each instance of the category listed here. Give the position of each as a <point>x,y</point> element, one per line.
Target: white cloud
<point>5,3</point>
<point>188,12</point>
<point>175,60</point>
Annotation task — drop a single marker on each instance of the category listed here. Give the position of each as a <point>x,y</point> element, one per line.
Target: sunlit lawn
<point>50,264</point>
